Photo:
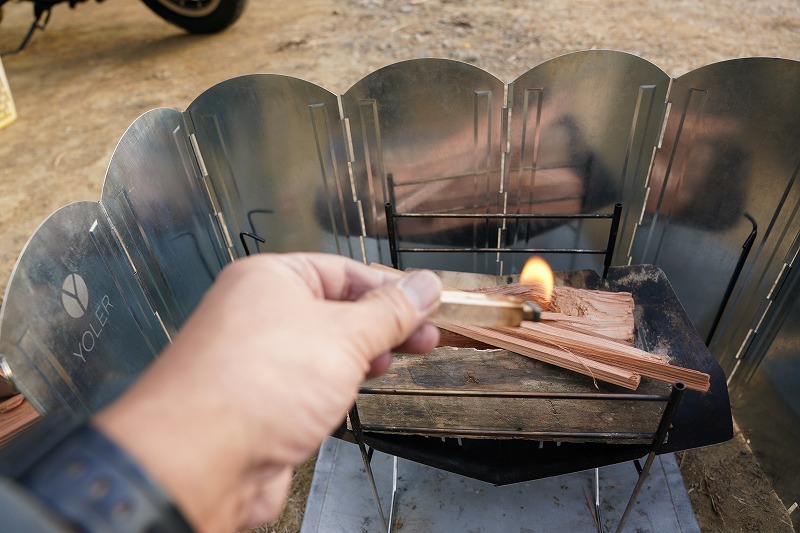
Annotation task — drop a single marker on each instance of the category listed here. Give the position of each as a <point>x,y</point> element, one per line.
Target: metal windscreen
<point>266,163</point>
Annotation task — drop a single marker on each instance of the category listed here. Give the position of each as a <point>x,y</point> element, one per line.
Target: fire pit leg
<point>366,457</point>
<point>661,435</point>
<point>597,500</point>
<point>394,494</point>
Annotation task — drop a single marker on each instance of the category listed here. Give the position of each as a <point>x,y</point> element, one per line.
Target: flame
<point>537,272</point>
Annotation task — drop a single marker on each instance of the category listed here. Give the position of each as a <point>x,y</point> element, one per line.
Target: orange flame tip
<point>537,272</point>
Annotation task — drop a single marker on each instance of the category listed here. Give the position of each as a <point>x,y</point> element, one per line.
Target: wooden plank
<point>500,370</point>
<point>566,420</point>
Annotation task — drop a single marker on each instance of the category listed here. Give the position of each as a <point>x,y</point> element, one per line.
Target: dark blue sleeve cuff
<point>87,480</point>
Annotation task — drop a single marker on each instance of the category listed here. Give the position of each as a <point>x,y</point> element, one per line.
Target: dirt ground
<point>98,67</point>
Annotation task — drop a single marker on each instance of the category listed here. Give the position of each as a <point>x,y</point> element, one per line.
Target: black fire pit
<point>687,419</point>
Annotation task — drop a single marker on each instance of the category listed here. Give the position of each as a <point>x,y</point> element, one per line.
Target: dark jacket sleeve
<point>22,512</point>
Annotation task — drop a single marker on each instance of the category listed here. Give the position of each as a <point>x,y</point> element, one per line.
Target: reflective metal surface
<point>272,156</point>
<point>273,163</point>
<point>583,130</point>
<point>70,336</point>
<point>426,135</point>
<point>433,136</point>
<point>766,394</point>
<point>730,149</point>
<point>154,196</point>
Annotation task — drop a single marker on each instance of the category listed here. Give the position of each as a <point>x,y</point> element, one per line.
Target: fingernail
<point>422,289</point>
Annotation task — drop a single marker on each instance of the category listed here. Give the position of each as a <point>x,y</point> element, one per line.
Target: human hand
<point>262,372</point>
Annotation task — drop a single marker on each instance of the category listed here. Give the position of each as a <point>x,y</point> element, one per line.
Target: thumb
<point>386,316</point>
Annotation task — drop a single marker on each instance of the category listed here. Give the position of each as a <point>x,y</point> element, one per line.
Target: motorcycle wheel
<point>198,16</point>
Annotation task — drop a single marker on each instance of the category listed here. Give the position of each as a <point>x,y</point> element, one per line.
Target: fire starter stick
<point>485,310</point>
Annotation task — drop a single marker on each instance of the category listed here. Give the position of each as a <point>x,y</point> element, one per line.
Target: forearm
<point>198,459</point>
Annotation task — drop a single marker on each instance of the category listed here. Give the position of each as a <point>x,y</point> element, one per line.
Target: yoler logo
<point>75,296</point>
<point>75,299</point>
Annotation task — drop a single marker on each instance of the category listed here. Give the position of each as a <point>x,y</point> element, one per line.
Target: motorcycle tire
<point>198,16</point>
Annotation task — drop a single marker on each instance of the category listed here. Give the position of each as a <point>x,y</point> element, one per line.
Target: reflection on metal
<point>153,197</point>
<point>426,136</point>
<point>583,130</point>
<point>274,153</point>
<point>607,252</point>
<point>76,329</point>
<point>288,161</point>
<point>729,148</point>
<point>766,393</point>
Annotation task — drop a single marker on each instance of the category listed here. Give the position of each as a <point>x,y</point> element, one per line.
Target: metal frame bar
<point>597,513</point>
<point>746,247</point>
<point>253,236</point>
<point>366,457</point>
<point>608,251</point>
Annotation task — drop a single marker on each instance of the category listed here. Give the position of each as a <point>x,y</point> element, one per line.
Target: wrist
<point>88,481</point>
<point>199,459</point>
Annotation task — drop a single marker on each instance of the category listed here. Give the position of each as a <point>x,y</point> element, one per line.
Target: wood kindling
<point>549,354</point>
<point>587,331</point>
<point>604,313</point>
<point>612,353</point>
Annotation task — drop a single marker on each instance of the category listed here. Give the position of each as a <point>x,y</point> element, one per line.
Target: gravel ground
<point>98,67</point>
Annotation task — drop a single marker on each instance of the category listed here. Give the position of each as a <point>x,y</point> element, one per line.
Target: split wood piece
<point>609,314</point>
<point>566,327</point>
<point>612,353</point>
<point>554,331</point>
<point>602,312</point>
<point>487,310</point>
<point>561,317</point>
<point>16,414</point>
<point>549,354</point>
<point>451,339</point>
<point>454,340</point>
<point>379,266</point>
<point>533,292</point>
